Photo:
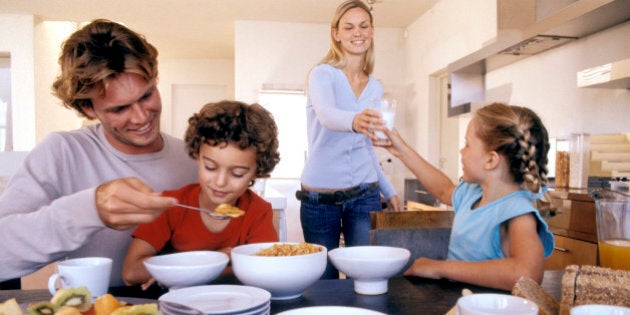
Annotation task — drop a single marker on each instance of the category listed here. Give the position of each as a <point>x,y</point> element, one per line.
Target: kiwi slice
<point>40,308</point>
<point>79,298</point>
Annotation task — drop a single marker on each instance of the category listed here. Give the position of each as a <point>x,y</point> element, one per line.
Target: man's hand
<point>127,202</point>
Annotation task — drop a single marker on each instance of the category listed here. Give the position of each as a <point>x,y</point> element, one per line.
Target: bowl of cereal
<point>284,269</point>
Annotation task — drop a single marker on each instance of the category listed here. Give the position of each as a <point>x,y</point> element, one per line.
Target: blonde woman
<point>342,180</point>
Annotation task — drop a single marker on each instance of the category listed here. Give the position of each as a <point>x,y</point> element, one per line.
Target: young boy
<point>233,144</point>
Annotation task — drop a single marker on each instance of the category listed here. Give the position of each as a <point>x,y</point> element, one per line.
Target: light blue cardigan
<point>338,157</point>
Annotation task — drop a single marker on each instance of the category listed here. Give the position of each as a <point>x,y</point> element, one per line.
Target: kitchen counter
<point>574,228</point>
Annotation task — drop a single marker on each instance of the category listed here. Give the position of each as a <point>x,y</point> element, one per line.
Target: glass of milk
<point>387,108</point>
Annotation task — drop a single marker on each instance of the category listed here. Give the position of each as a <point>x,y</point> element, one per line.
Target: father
<point>79,193</point>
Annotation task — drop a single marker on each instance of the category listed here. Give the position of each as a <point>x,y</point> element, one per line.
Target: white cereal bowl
<point>369,266</point>
<point>186,269</point>
<point>492,303</point>
<point>285,277</point>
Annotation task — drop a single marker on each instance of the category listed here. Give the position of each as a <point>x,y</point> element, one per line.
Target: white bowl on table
<point>369,266</point>
<point>186,269</point>
<point>285,277</point>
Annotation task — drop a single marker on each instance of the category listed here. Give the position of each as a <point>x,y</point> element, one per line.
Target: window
<point>289,111</point>
<point>3,124</point>
<point>5,105</point>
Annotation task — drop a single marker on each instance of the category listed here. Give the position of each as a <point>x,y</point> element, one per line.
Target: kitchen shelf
<point>614,75</point>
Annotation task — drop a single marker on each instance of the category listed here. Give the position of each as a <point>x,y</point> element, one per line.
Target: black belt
<point>334,198</point>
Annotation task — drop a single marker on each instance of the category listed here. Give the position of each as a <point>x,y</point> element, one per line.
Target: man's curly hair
<point>237,123</point>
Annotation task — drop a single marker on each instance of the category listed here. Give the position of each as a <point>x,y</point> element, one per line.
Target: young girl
<point>233,144</point>
<point>497,234</point>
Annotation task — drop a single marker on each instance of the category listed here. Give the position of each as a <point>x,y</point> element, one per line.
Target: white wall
<point>50,114</point>
<point>16,37</point>
<point>278,55</point>
<point>547,83</point>
<point>190,72</point>
<point>442,35</point>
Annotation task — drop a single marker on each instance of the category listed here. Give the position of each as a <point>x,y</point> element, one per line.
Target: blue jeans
<point>323,223</point>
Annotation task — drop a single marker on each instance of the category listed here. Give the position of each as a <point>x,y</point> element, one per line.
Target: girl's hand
<point>367,121</point>
<point>424,267</point>
<point>394,143</point>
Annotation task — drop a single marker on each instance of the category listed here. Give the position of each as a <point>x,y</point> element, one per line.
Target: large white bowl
<point>369,266</point>
<point>186,269</point>
<point>285,277</point>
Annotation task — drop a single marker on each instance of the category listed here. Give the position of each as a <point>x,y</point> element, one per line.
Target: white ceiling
<point>205,28</point>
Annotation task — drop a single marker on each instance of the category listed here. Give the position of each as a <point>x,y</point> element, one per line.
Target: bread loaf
<point>529,289</point>
<point>594,285</point>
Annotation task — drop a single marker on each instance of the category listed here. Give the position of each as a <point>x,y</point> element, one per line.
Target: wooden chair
<point>423,233</point>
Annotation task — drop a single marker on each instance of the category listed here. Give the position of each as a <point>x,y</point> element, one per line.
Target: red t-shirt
<point>186,232</point>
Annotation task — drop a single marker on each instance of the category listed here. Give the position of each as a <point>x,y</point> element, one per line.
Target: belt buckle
<point>339,197</point>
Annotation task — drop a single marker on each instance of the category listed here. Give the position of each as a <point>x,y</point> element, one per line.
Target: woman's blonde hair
<point>518,134</point>
<point>335,56</point>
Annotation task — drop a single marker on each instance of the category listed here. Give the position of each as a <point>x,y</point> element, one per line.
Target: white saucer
<point>221,299</point>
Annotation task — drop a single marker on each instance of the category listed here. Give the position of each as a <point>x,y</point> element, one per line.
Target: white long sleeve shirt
<point>48,212</point>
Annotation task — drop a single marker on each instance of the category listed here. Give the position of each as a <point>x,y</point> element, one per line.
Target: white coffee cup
<point>90,272</point>
<point>492,303</point>
<point>600,310</point>
<point>387,108</point>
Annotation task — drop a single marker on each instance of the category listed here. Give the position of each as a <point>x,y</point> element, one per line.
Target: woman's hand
<point>394,204</point>
<point>368,121</point>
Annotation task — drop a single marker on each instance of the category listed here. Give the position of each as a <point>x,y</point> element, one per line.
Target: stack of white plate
<point>216,300</point>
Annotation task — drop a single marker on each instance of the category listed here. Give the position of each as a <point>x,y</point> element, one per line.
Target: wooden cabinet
<point>574,229</point>
<point>569,251</point>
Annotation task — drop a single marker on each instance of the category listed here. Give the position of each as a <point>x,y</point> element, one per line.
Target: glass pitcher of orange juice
<point>613,228</point>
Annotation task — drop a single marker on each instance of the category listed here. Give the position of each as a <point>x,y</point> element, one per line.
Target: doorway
<point>448,158</point>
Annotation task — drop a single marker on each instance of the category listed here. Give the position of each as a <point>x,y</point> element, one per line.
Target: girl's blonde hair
<point>518,134</point>
<point>336,56</point>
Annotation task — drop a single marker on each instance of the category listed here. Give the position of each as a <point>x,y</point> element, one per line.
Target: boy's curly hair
<point>237,123</point>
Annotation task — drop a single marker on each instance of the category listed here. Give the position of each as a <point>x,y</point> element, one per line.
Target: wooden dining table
<point>406,295</point>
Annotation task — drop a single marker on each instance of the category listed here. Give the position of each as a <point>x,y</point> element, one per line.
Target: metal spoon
<point>212,214</point>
